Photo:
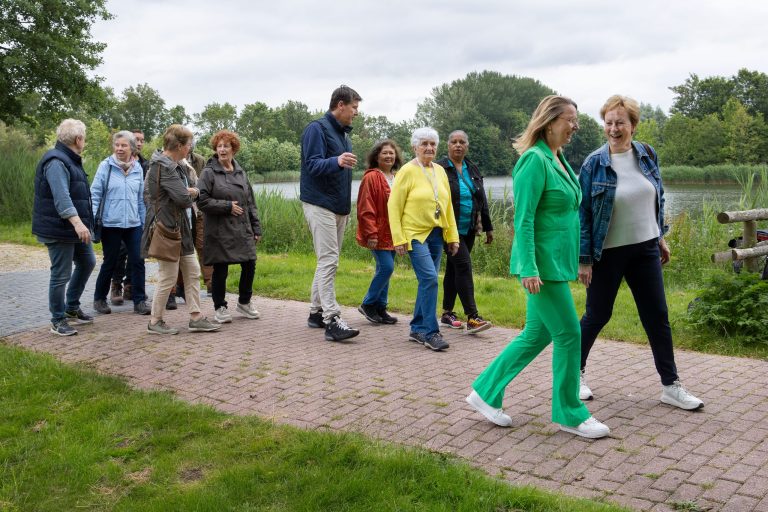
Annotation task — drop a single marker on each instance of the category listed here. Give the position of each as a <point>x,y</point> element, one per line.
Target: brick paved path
<point>657,457</point>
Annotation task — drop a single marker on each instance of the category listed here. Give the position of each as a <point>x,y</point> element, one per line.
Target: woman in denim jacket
<point>622,229</point>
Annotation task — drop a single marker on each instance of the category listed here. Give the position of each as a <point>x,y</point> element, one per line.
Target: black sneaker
<point>171,304</point>
<point>142,308</point>
<point>370,313</point>
<point>338,330</point>
<point>418,337</point>
<point>79,317</point>
<point>101,306</point>
<point>386,318</point>
<point>62,328</point>
<point>436,342</point>
<point>315,320</point>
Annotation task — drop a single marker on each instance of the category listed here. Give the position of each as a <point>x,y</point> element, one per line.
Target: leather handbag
<point>164,242</point>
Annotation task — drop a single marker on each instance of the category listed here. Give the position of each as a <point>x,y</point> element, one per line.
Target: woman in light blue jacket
<point>119,185</point>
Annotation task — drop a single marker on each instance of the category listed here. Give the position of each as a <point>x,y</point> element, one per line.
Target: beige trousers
<point>166,281</point>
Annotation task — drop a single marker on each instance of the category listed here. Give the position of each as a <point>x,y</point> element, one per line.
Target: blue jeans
<point>111,240</point>
<point>63,297</point>
<point>425,259</point>
<point>378,291</point>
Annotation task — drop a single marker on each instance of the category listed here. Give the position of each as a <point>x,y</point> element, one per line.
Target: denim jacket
<point>598,188</point>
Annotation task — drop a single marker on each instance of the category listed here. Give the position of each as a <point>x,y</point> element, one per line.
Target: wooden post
<point>749,240</point>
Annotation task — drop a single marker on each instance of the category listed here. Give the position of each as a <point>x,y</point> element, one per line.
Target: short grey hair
<point>129,136</point>
<point>422,134</point>
<point>458,132</point>
<point>69,130</point>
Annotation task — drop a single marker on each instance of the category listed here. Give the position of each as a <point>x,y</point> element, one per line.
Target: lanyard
<point>433,181</point>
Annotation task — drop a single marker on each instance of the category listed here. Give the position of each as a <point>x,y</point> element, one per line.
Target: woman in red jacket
<point>373,226</point>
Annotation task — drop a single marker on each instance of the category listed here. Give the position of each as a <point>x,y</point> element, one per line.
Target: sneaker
<point>127,292</point>
<point>370,313</point>
<point>203,325</point>
<point>247,311</point>
<point>584,392</point>
<point>338,330</point>
<point>222,316</point>
<point>116,294</point>
<point>418,337</point>
<point>101,306</point>
<point>492,414</point>
<point>142,308</point>
<point>62,328</point>
<point>161,328</point>
<point>79,317</point>
<point>589,428</point>
<point>170,305</point>
<point>315,320</point>
<point>436,342</point>
<point>449,319</point>
<point>180,292</point>
<point>675,394</point>
<point>477,324</point>
<point>386,318</point>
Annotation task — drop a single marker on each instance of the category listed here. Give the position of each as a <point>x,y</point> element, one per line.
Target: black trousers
<point>121,269</point>
<point>640,265</point>
<point>219,282</point>
<point>458,278</point>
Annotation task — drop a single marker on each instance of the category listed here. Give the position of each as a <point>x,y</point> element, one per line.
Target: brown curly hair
<point>226,136</point>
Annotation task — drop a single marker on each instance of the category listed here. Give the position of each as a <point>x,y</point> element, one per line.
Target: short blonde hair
<point>176,136</point>
<point>549,109</point>
<point>631,106</point>
<point>69,130</point>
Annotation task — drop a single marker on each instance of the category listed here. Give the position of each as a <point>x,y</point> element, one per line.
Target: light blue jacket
<point>124,201</point>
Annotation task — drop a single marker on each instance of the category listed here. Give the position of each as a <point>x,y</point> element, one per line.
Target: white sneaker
<point>222,316</point>
<point>584,392</point>
<point>589,428</point>
<point>494,415</point>
<point>248,311</point>
<point>675,394</point>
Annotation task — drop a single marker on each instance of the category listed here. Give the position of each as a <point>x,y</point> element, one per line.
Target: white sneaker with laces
<point>589,428</point>
<point>248,311</point>
<point>493,415</point>
<point>675,394</point>
<point>222,316</point>
<point>584,392</point>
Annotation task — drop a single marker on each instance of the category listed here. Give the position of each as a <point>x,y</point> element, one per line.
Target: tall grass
<point>723,173</point>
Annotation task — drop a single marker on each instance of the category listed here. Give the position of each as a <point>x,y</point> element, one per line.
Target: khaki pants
<point>166,281</point>
<point>207,269</point>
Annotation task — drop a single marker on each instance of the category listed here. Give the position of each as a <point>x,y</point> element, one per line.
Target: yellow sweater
<point>411,205</point>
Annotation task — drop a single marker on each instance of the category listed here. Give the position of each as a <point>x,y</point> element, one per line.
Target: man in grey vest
<point>326,194</point>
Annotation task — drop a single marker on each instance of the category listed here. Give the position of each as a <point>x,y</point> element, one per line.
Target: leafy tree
<point>269,155</point>
<point>46,50</point>
<point>142,107</point>
<point>743,134</point>
<point>691,141</point>
<point>292,118</point>
<point>215,117</point>
<point>257,120</point>
<point>649,131</point>
<point>700,97</point>
<point>588,138</point>
<point>177,115</point>
<point>649,112</point>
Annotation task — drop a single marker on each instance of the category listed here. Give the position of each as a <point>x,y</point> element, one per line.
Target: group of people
<point>600,226</point>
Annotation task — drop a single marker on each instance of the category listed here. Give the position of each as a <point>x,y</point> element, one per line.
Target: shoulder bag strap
<point>100,209</point>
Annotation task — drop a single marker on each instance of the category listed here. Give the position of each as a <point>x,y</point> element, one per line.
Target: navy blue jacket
<point>46,221</point>
<point>323,182</point>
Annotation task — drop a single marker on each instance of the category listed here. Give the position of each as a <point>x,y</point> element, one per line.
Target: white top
<point>633,218</point>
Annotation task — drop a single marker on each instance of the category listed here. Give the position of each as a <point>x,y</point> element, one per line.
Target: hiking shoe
<point>203,325</point>
<point>584,392</point>
<point>589,428</point>
<point>170,305</point>
<point>386,318</point>
<point>161,328</point>
<point>418,337</point>
<point>315,320</point>
<point>675,394</point>
<point>222,316</point>
<point>101,306</point>
<point>127,292</point>
<point>62,328</point>
<point>492,414</point>
<point>247,311</point>
<point>338,330</point>
<point>449,320</point>
<point>116,294</point>
<point>477,324</point>
<point>142,308</point>
<point>370,313</point>
<point>79,317</point>
<point>179,292</point>
<point>436,342</point>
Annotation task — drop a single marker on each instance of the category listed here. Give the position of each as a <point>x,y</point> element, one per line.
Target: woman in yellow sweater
<point>420,218</point>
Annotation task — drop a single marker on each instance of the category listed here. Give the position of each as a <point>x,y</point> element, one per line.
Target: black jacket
<point>479,200</point>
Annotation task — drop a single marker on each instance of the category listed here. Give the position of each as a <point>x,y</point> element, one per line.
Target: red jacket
<point>372,218</point>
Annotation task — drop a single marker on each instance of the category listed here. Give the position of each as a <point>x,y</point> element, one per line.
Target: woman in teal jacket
<point>545,256</point>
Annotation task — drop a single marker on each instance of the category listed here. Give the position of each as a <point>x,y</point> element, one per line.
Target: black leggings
<point>458,277</point>
<point>219,282</point>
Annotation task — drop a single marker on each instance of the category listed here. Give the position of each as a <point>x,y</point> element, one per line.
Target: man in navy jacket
<point>326,194</point>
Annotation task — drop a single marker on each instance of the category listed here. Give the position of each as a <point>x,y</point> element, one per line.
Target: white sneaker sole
<point>222,320</point>
<point>486,415</point>
<point>588,435</point>
<point>247,314</point>
<point>680,405</point>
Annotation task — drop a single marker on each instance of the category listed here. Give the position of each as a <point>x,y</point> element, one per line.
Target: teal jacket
<point>546,242</point>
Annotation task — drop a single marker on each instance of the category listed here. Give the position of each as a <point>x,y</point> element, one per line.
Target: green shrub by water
<point>724,173</point>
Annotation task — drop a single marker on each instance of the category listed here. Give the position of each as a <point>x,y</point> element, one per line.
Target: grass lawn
<point>74,440</point>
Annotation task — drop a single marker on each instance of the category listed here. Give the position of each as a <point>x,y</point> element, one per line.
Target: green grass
<point>74,440</point>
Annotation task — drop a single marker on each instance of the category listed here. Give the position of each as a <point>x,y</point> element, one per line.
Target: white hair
<point>129,136</point>
<point>426,133</point>
<point>69,130</point>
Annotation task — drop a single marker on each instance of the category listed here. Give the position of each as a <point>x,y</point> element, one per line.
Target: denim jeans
<point>63,297</point>
<point>425,259</point>
<point>458,277</point>
<point>111,240</point>
<point>378,291</point>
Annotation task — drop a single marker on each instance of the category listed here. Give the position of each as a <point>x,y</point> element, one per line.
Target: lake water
<point>679,198</point>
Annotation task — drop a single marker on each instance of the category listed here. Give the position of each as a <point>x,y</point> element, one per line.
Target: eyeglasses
<point>574,122</point>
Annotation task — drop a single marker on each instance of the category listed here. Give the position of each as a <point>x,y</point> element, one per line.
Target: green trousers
<point>550,315</point>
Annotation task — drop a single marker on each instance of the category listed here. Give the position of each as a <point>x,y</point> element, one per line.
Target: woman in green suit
<point>545,256</point>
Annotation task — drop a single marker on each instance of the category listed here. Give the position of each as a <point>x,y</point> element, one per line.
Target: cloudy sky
<point>393,53</point>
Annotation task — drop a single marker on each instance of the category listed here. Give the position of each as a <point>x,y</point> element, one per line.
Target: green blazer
<point>546,242</point>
